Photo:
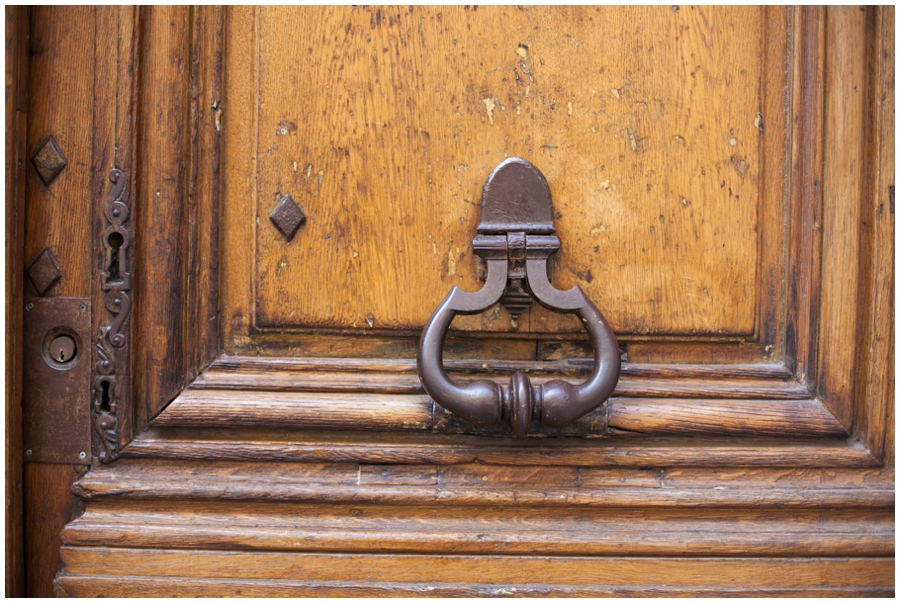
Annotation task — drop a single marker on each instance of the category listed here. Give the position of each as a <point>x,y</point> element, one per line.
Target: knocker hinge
<point>515,247</point>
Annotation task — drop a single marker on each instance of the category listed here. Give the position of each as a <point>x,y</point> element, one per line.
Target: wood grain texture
<point>49,505</point>
<point>362,394</point>
<point>747,381</point>
<point>239,181</point>
<point>875,408</point>
<point>60,104</point>
<point>485,570</point>
<point>160,200</point>
<point>476,485</point>
<point>774,132</point>
<point>58,216</point>
<point>114,131</point>
<point>845,167</point>
<point>212,444</point>
<point>807,124</point>
<point>719,417</point>
<point>134,586</point>
<point>648,171</point>
<point>585,531</point>
<point>305,410</point>
<point>16,104</point>
<point>361,410</point>
<point>713,475</point>
<point>298,365</point>
<point>202,205</point>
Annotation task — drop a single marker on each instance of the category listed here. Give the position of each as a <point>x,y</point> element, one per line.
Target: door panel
<point>648,138</point>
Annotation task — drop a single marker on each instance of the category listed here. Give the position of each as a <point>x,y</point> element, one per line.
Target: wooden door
<point>722,184</point>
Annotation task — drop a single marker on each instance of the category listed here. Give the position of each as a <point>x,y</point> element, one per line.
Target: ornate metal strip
<point>115,282</point>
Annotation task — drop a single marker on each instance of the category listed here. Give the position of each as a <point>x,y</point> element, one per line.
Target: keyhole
<point>62,348</point>
<point>104,396</point>
<point>115,243</point>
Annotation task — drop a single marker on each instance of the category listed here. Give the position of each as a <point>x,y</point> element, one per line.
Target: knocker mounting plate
<point>516,238</point>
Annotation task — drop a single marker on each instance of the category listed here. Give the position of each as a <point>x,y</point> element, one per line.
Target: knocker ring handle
<point>516,239</point>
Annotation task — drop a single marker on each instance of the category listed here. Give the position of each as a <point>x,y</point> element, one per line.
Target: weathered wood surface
<point>58,217</point>
<point>386,395</point>
<point>388,158</point>
<point>846,151</point>
<point>362,411</point>
<point>250,445</point>
<point>806,181</point>
<point>49,505</point>
<point>159,196</point>
<point>875,399</point>
<point>487,571</point>
<point>178,199</point>
<point>15,97</point>
<point>480,485</point>
<point>509,530</point>
<point>785,332</point>
<point>113,135</point>
<point>320,446</point>
<point>137,586</point>
<point>60,103</point>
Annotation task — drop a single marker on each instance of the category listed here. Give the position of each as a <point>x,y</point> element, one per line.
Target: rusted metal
<point>112,339</point>
<point>287,217</point>
<point>516,238</point>
<point>44,272</point>
<point>63,348</point>
<point>48,160</point>
<point>55,409</point>
<point>516,198</point>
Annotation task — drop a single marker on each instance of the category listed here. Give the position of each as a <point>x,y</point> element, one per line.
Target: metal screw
<point>29,306</point>
<point>83,308</point>
<point>28,452</point>
<point>82,454</point>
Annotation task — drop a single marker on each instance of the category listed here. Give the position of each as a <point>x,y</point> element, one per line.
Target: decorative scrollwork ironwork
<point>115,282</point>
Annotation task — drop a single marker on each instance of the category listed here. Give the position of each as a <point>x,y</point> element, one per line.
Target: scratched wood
<point>585,571</point>
<point>875,409</point>
<point>58,217</point>
<point>846,75</point>
<point>278,526</point>
<point>177,198</point>
<point>642,451</point>
<point>651,140</point>
<point>479,484</point>
<point>60,105</point>
<point>131,586</point>
<point>16,24</point>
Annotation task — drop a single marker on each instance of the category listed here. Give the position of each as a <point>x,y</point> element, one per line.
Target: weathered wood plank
<point>484,570</point>
<point>510,530</point>
<point>16,99</point>
<point>136,586</point>
<point>484,485</point>
<point>212,444</point>
<point>161,200</point>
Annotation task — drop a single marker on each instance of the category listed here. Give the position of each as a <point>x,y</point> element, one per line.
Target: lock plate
<point>56,390</point>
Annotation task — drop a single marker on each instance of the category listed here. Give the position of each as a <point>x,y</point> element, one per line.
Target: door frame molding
<point>184,384</point>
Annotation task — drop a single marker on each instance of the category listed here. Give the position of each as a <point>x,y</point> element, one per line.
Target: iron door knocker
<point>516,238</point>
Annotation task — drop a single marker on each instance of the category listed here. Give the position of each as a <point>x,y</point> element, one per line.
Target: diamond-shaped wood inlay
<point>287,217</point>
<point>44,272</point>
<point>49,160</point>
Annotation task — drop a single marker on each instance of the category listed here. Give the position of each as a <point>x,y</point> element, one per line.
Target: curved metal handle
<point>484,402</point>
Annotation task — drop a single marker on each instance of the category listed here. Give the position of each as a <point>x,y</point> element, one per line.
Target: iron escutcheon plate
<point>56,395</point>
